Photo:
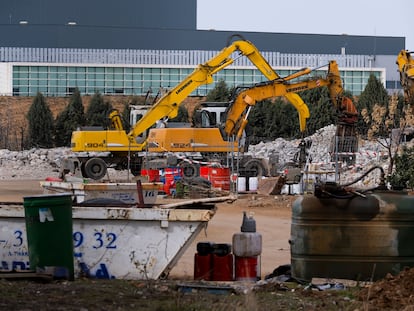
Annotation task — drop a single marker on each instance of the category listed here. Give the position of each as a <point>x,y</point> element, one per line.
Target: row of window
<point>60,80</point>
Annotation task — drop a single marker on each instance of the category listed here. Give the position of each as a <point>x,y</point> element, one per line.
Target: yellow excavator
<point>215,143</point>
<point>405,64</point>
<point>97,150</point>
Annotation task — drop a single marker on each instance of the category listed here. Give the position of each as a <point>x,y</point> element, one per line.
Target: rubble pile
<point>370,154</point>
<point>40,163</point>
<point>35,163</point>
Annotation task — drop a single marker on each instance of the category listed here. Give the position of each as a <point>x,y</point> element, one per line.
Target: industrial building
<point>128,47</point>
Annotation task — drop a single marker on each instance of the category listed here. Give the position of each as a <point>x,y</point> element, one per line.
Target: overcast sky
<point>352,17</point>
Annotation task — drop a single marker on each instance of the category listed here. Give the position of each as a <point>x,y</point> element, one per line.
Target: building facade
<point>51,49</point>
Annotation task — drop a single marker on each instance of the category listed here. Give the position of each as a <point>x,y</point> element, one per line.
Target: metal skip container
<point>122,242</point>
<point>49,232</point>
<point>358,238</point>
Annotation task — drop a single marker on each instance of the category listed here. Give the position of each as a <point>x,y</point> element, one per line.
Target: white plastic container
<point>241,184</point>
<point>253,183</point>
<point>247,244</point>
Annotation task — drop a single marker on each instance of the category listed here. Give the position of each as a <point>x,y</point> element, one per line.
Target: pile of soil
<point>391,293</point>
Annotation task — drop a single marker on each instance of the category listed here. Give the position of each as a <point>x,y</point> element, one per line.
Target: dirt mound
<point>391,293</point>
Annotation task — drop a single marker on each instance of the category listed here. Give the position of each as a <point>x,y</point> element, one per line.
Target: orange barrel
<point>247,269</point>
<point>223,263</point>
<point>170,176</point>
<point>153,175</point>
<point>218,176</point>
<point>203,263</point>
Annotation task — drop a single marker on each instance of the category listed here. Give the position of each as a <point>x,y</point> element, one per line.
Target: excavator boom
<point>123,148</point>
<point>236,119</point>
<point>212,140</point>
<point>168,105</point>
<point>406,68</point>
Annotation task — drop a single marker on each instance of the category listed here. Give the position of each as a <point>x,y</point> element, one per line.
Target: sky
<point>351,17</point>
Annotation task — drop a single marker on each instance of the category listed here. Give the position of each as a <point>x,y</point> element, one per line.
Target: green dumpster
<point>49,233</point>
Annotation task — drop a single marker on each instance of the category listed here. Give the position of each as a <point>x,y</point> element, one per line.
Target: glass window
<point>100,83</point>
<point>33,74</point>
<point>42,82</point>
<point>119,84</point>
<point>53,75</point>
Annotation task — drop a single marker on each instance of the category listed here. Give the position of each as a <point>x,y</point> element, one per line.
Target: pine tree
<point>403,176</point>
<point>98,111</point>
<point>41,127</point>
<point>374,94</point>
<point>70,119</point>
<point>257,118</point>
<point>322,112</point>
<point>220,93</point>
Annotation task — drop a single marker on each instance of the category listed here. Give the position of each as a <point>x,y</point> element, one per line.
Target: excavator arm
<point>406,68</point>
<point>115,120</point>
<point>167,106</point>
<point>237,113</point>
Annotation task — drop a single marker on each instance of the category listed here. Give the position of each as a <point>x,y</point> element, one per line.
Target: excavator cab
<point>210,114</point>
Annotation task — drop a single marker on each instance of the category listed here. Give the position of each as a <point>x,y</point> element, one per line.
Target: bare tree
<point>390,119</point>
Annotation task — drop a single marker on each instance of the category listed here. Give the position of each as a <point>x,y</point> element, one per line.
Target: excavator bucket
<point>348,111</point>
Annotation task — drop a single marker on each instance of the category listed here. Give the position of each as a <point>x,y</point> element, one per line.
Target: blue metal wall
<point>154,24</point>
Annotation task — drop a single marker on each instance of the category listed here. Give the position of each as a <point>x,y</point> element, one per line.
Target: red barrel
<point>203,261</point>
<point>170,175</point>
<point>202,267</point>
<point>153,175</point>
<point>218,176</point>
<point>223,268</point>
<point>247,269</point>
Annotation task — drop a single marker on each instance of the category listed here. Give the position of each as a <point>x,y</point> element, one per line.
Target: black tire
<point>135,165</point>
<point>255,168</point>
<point>190,170</point>
<point>198,181</point>
<point>135,171</point>
<point>95,168</point>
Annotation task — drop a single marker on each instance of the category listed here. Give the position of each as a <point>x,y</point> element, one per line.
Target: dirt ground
<point>272,215</point>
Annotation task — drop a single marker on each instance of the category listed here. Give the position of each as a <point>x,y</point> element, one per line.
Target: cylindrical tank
<point>247,247</point>
<point>359,238</point>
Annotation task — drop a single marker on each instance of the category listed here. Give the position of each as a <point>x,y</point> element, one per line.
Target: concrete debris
<point>41,163</point>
